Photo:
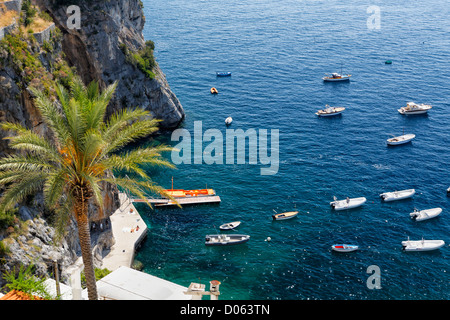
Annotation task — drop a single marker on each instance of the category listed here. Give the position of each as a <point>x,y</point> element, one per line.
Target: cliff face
<point>95,51</point>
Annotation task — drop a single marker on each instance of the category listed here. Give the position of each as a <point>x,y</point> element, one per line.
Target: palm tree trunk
<point>81,209</point>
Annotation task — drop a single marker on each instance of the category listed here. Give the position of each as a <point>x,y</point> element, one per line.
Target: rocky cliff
<point>95,51</point>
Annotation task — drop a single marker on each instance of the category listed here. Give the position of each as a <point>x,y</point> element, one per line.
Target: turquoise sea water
<point>278,52</point>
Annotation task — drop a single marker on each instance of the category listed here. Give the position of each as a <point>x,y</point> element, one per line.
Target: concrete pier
<point>128,230</point>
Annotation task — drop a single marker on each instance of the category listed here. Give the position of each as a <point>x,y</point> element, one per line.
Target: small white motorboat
<point>228,121</point>
<point>344,247</point>
<point>330,111</point>
<point>285,215</point>
<point>448,191</point>
<point>422,245</point>
<point>347,203</point>
<point>225,239</point>
<point>397,195</point>
<point>414,108</point>
<point>334,77</point>
<point>230,225</point>
<point>425,214</point>
<point>401,139</point>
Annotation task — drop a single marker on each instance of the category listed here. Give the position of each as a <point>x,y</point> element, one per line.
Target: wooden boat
<point>214,90</point>
<point>223,74</point>
<point>334,77</point>
<point>285,215</point>
<point>347,203</point>
<point>230,225</point>
<point>422,245</point>
<point>344,247</point>
<point>397,195</point>
<point>414,108</point>
<point>330,111</point>
<point>400,139</point>
<point>225,239</point>
<point>228,121</point>
<point>425,214</point>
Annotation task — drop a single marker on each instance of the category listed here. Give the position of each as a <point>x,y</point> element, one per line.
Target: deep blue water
<point>278,51</point>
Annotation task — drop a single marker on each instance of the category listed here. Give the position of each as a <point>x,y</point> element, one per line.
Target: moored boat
<point>401,139</point>
<point>223,74</point>
<point>334,77</point>
<point>181,193</point>
<point>228,120</point>
<point>344,247</point>
<point>285,215</point>
<point>330,111</point>
<point>347,203</point>
<point>448,191</point>
<point>230,225</point>
<point>414,108</point>
<point>425,214</point>
<point>422,245</point>
<point>225,239</point>
<point>397,195</point>
<point>214,90</point>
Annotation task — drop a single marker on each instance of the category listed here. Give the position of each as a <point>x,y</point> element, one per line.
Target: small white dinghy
<point>230,225</point>
<point>422,245</point>
<point>228,121</point>
<point>344,247</point>
<point>401,139</point>
<point>425,214</point>
<point>347,203</point>
<point>397,195</point>
<point>285,215</point>
<point>330,111</point>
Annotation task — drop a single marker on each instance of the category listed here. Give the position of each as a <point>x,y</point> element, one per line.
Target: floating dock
<point>181,201</point>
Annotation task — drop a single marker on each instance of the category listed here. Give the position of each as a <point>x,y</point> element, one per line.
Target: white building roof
<point>129,284</point>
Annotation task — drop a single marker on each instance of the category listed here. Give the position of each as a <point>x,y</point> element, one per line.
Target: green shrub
<point>7,218</point>
<point>143,59</point>
<point>25,281</point>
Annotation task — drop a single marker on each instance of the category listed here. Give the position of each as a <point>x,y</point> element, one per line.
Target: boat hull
<point>400,139</point>
<point>285,215</point>
<point>344,205</point>
<point>344,247</point>
<point>225,240</point>
<point>223,74</point>
<point>425,214</point>
<point>397,195</point>
<point>329,79</point>
<point>412,112</point>
<point>422,245</point>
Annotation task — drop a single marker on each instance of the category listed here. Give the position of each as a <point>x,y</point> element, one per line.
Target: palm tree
<point>71,167</point>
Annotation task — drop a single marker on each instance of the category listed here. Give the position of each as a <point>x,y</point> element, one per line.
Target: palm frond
<point>54,187</point>
<point>51,115</point>
<point>27,140</point>
<point>15,193</point>
<point>23,163</point>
